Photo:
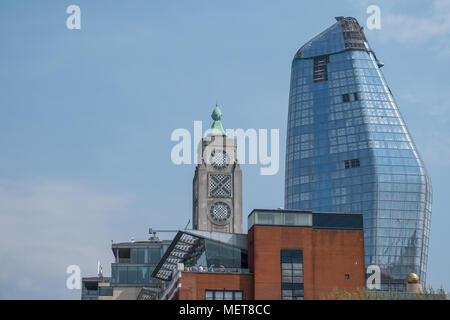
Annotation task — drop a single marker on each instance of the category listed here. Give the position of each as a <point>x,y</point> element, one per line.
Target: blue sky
<point>86,115</point>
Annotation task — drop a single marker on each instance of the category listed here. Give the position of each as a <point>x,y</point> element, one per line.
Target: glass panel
<point>286,272</point>
<point>292,279</point>
<point>149,272</point>
<point>105,291</point>
<point>142,275</point>
<point>287,293</point>
<point>297,266</point>
<point>297,293</point>
<point>146,256</point>
<point>122,275</point>
<point>297,279</point>
<point>221,256</point>
<point>297,273</point>
<point>228,295</point>
<point>134,255</point>
<point>281,218</point>
<point>141,255</point>
<point>132,275</point>
<point>268,218</point>
<point>114,275</point>
<point>218,295</point>
<point>297,219</point>
<point>155,255</point>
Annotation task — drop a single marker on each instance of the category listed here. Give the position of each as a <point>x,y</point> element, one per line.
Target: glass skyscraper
<point>348,150</point>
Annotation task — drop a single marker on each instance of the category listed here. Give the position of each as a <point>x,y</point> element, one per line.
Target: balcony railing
<point>216,270</point>
<point>87,292</point>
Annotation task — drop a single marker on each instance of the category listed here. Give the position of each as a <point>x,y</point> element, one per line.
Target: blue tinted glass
<point>348,150</point>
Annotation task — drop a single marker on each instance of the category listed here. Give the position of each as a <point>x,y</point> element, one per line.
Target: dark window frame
<point>291,261</point>
<point>233,294</point>
<point>320,71</point>
<point>353,163</point>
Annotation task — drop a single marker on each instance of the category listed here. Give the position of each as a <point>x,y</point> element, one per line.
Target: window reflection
<point>350,114</point>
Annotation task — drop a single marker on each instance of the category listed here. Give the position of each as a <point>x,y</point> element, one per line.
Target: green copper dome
<point>216,128</point>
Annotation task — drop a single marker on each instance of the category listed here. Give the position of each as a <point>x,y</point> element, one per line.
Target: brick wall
<point>194,284</point>
<point>328,255</point>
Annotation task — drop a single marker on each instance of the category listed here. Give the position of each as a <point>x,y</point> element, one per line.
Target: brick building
<point>287,254</point>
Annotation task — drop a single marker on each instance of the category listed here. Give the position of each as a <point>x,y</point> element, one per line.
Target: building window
<point>292,274</point>
<point>320,68</point>
<point>90,288</point>
<point>139,255</point>
<point>347,276</point>
<point>123,255</point>
<point>354,163</point>
<point>155,255</point>
<point>346,97</point>
<point>223,295</point>
<point>132,275</point>
<point>105,291</point>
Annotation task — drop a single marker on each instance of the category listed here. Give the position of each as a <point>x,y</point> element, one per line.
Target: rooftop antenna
<point>189,221</point>
<point>99,269</point>
<point>153,232</point>
<point>132,240</point>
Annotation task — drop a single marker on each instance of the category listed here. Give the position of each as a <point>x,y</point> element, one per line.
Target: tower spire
<point>216,128</point>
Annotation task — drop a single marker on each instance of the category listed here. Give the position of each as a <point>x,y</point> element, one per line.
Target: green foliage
<point>363,294</point>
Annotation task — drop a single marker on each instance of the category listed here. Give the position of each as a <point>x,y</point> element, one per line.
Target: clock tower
<point>217,184</point>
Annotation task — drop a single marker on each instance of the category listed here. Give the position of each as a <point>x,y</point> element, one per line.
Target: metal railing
<point>87,292</point>
<point>216,270</point>
<point>170,287</point>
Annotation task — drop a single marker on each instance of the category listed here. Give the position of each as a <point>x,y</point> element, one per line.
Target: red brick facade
<point>194,284</point>
<point>331,259</point>
<point>328,255</point>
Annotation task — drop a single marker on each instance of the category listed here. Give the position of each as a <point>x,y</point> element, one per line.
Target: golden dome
<point>412,278</point>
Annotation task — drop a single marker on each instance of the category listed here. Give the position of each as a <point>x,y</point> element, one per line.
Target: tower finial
<point>217,114</point>
<point>216,128</point>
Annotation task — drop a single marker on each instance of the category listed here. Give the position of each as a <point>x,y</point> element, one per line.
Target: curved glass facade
<point>348,150</point>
